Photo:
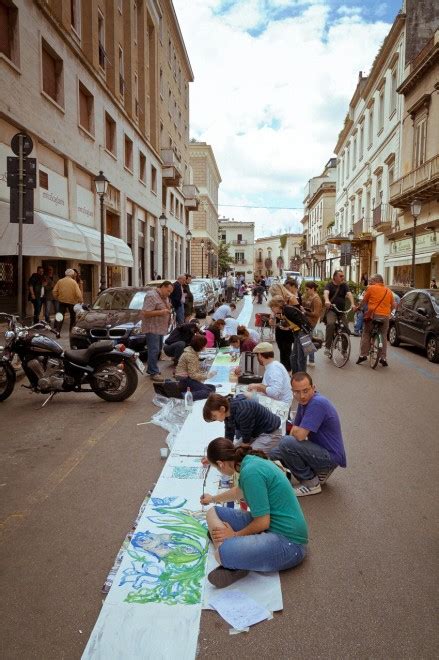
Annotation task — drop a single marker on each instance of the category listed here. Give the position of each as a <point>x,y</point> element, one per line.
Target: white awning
<point>53,237</point>
<point>406,260</point>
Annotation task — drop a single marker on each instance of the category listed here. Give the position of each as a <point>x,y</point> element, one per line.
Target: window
<point>381,110</point>
<point>171,204</point>
<point>371,109</point>
<point>135,22</point>
<point>380,189</point>
<point>347,161</point>
<point>161,83</point>
<point>136,95</point>
<point>169,51</point>
<point>9,31</point>
<point>128,153</point>
<point>393,94</point>
<point>86,105</point>
<point>121,72</point>
<point>110,134</point>
<point>239,257</point>
<point>420,131</point>
<point>142,167</point>
<point>101,40</point>
<point>52,74</point>
<point>119,5</point>
<point>361,142</point>
<point>43,178</point>
<point>153,179</point>
<point>75,16</point>
<point>354,153</point>
<point>391,174</point>
<point>239,238</point>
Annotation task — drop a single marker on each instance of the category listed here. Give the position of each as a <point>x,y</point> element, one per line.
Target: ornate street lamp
<point>163,220</point>
<point>188,258</point>
<point>101,185</point>
<point>202,257</point>
<point>415,208</point>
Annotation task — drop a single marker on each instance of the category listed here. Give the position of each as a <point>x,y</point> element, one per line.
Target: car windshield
<point>435,295</point>
<point>124,299</point>
<point>197,286</point>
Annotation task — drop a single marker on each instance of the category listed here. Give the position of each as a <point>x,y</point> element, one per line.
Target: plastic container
<point>188,400</point>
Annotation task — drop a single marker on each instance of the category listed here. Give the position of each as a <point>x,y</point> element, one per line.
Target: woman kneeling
<point>273,536</point>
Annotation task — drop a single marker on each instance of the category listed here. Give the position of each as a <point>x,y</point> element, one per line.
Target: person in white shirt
<point>223,311</point>
<point>254,334</point>
<point>231,327</point>
<point>276,382</point>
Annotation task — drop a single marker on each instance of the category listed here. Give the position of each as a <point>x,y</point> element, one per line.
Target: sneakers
<point>384,362</point>
<point>223,577</point>
<point>327,352</point>
<point>311,364</point>
<point>361,358</point>
<point>156,378</point>
<point>302,490</point>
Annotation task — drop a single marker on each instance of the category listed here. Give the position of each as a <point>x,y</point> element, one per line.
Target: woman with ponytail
<point>273,536</point>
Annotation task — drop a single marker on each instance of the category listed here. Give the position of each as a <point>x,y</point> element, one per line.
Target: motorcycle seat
<point>83,355</point>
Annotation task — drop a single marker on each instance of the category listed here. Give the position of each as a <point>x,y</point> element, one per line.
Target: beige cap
<point>263,347</point>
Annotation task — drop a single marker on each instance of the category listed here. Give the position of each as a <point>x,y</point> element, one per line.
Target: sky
<point>273,81</point>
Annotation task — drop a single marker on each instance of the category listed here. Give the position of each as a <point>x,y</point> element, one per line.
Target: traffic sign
<point>28,206</point>
<point>29,172</point>
<point>27,143</point>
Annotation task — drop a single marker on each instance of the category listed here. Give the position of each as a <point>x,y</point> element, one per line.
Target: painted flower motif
<point>146,574</point>
<point>168,501</point>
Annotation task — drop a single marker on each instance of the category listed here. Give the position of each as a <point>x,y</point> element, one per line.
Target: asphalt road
<point>73,476</point>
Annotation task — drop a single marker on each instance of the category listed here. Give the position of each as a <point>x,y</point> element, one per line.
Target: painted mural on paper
<point>169,566</point>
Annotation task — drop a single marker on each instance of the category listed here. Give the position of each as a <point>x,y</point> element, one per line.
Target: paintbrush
<point>204,484</point>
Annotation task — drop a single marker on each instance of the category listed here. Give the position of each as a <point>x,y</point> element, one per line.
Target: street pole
<point>21,193</point>
<point>415,219</point>
<point>202,260</point>
<point>103,275</point>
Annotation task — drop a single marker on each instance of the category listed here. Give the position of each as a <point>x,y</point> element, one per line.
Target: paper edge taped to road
<point>238,609</point>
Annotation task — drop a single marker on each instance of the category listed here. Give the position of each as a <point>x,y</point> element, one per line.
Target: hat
<point>263,347</point>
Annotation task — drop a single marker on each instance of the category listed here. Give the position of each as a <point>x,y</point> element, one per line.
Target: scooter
<point>110,371</point>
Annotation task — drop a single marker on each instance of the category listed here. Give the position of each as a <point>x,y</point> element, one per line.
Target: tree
<point>224,258</point>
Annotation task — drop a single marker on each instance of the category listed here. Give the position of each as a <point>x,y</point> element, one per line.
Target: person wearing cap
<point>276,381</point>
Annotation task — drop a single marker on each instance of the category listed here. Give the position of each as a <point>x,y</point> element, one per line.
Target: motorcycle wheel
<point>112,383</point>
<point>7,381</point>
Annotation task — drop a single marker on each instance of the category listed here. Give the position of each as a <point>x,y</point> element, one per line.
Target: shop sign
<point>54,200</point>
<point>85,206</point>
<point>423,242</point>
<point>5,151</point>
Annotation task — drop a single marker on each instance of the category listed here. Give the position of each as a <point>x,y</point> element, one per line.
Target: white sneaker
<point>311,364</point>
<point>302,490</point>
<point>327,352</point>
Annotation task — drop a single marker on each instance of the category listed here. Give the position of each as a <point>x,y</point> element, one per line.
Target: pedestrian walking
<point>155,315</point>
<point>230,287</point>
<point>68,294</point>
<point>312,305</point>
<point>50,304</point>
<point>189,298</point>
<point>178,298</point>
<point>36,292</point>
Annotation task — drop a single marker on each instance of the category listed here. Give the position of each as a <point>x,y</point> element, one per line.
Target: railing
<point>426,173</point>
<point>190,191</point>
<point>362,226</point>
<point>240,262</point>
<point>239,242</point>
<point>383,214</point>
<point>169,158</point>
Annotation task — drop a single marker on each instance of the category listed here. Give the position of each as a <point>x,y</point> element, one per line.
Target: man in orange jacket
<point>380,302</point>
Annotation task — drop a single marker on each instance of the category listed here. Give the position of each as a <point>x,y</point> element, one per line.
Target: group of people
<point>46,291</point>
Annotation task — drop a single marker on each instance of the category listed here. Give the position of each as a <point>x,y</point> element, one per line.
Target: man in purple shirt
<point>315,444</point>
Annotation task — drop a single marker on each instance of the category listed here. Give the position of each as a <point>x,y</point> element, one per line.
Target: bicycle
<point>340,349</point>
<point>376,343</point>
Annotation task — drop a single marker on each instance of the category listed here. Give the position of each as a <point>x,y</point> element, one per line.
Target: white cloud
<point>272,106</point>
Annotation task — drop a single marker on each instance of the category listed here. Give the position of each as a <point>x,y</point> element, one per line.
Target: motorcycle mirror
<point>58,316</point>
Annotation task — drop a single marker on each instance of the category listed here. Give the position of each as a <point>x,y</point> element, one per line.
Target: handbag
<point>307,343</point>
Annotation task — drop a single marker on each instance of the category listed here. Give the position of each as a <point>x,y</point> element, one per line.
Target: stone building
<point>276,254</point>
<point>98,85</point>
<point>207,178</point>
<point>240,236</point>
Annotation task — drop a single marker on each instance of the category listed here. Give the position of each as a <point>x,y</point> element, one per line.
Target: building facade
<point>88,82</point>
<point>204,228</point>
<point>275,254</point>
<point>240,236</point>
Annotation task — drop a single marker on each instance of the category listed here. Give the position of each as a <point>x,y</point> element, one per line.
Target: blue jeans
<point>153,344</point>
<point>179,314</point>
<point>174,350</point>
<point>50,305</point>
<point>37,305</point>
<point>298,357</point>
<point>257,552</point>
<point>303,458</point>
<point>359,322</point>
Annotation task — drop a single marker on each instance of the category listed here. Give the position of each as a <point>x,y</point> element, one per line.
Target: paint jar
<point>164,451</point>
<point>225,482</point>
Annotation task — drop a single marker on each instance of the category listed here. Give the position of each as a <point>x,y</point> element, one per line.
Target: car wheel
<point>433,348</point>
<point>393,336</point>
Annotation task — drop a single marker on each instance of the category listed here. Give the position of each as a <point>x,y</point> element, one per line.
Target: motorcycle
<point>110,371</point>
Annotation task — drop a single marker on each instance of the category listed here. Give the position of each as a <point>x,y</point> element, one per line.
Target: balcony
<point>383,217</point>
<point>422,183</point>
<point>239,242</point>
<point>362,228</point>
<point>191,200</point>
<point>241,262</point>
<point>318,249</point>
<point>171,173</point>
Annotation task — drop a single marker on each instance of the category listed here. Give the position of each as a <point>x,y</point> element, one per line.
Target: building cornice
<point>421,70</point>
<point>384,52</point>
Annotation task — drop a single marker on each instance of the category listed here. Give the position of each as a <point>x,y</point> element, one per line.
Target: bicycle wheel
<point>341,349</point>
<point>375,350</point>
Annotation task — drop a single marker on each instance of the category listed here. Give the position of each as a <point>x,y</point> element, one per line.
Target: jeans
<point>303,458</point>
<point>153,344</point>
<point>359,322</point>
<point>179,314</point>
<point>50,305</point>
<point>298,357</point>
<point>199,390</point>
<point>63,308</point>
<point>265,552</point>
<point>264,441</point>
<point>37,304</point>
<point>174,350</point>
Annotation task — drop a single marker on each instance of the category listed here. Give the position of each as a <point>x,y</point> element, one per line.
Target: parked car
<point>204,297</point>
<point>416,321</point>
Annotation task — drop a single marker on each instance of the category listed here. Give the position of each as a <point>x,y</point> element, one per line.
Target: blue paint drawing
<point>185,472</point>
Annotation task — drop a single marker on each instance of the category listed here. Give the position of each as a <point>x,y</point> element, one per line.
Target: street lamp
<point>188,258</point>
<point>101,185</point>
<point>415,208</point>
<point>209,260</point>
<point>163,220</point>
<point>202,257</point>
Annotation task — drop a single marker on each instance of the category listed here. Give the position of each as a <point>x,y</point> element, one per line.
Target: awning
<point>406,260</point>
<point>53,237</point>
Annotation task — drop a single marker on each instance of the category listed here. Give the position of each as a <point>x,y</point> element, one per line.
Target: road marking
<point>413,365</point>
<point>15,519</point>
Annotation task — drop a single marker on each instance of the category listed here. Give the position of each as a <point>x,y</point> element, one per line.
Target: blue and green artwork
<point>168,567</point>
<point>188,472</point>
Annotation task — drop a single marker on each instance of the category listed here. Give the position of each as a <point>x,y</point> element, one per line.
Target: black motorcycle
<point>110,371</point>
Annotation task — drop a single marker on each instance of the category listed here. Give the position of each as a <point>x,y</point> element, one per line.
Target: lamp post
<point>202,258</point>
<point>101,185</point>
<point>188,259</point>
<point>163,219</point>
<point>415,208</point>
<point>209,260</point>
<point>350,238</point>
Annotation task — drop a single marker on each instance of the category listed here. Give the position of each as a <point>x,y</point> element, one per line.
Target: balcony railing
<point>171,173</point>
<point>362,226</point>
<point>383,215</point>
<point>240,262</point>
<point>239,242</point>
<point>422,182</point>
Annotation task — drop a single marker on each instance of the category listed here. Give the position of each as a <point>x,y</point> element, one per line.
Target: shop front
<point>399,262</point>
